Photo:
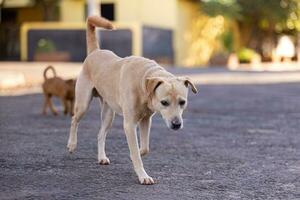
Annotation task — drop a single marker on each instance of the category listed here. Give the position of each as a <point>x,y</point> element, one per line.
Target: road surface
<point>239,142</point>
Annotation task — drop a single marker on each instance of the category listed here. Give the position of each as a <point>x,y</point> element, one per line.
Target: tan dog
<point>63,89</point>
<point>134,87</point>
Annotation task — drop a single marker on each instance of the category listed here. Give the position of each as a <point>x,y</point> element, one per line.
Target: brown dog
<point>63,89</point>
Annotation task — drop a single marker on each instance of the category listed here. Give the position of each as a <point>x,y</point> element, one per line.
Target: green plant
<point>257,20</point>
<point>281,15</point>
<point>245,55</point>
<point>228,41</point>
<point>45,46</point>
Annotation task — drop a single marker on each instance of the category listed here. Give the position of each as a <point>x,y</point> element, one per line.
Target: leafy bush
<point>245,55</point>
<point>227,41</point>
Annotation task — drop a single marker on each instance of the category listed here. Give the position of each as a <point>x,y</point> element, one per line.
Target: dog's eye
<point>182,102</point>
<point>164,103</point>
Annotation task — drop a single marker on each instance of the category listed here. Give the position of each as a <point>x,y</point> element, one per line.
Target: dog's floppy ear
<point>187,82</point>
<point>152,84</point>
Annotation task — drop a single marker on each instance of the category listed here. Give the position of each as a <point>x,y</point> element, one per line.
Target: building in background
<point>168,31</point>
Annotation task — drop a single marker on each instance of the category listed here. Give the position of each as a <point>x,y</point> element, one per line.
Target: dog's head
<point>168,96</point>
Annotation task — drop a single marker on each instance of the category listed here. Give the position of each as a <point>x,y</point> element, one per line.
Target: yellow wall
<point>159,13</point>
<point>193,40</point>
<point>72,10</point>
<point>17,3</point>
<point>186,14</point>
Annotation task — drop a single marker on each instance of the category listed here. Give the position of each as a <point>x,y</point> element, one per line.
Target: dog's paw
<point>146,180</point>
<point>71,147</point>
<point>104,161</point>
<point>144,152</point>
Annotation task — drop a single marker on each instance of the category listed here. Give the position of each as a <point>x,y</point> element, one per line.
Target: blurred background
<point>186,33</point>
<point>241,136</point>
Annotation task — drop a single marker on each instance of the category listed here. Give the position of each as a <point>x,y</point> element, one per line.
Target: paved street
<point>239,142</point>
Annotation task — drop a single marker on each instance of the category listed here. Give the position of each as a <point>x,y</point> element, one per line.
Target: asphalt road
<point>239,142</point>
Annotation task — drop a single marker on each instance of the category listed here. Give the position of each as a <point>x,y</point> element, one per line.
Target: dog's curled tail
<point>47,69</point>
<point>91,38</point>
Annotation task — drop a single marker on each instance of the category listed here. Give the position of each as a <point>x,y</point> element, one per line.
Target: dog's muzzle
<point>175,123</point>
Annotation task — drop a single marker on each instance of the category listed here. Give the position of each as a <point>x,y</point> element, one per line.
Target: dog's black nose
<point>175,124</point>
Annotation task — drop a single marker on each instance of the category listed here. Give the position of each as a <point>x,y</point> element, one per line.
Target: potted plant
<point>46,51</point>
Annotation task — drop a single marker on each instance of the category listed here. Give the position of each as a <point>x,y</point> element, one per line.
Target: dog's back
<point>54,87</point>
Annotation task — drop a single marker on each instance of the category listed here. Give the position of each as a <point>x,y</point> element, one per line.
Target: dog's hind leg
<point>107,117</point>
<point>144,128</point>
<point>71,107</point>
<point>45,105</point>
<point>83,96</point>
<point>66,105</point>
<point>51,105</point>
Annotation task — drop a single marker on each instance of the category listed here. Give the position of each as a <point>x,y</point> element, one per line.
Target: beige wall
<point>72,11</point>
<point>17,3</point>
<point>127,11</point>
<point>187,12</point>
<point>161,13</point>
<point>177,15</point>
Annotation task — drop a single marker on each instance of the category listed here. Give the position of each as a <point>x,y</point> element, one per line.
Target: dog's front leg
<point>130,131</point>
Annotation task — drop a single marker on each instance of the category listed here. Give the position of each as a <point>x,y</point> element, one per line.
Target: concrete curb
<point>19,78</point>
<point>245,78</point>
<point>11,79</point>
